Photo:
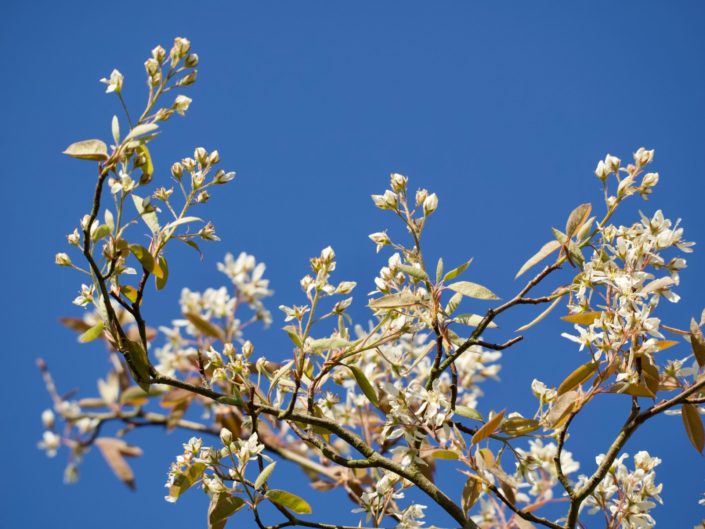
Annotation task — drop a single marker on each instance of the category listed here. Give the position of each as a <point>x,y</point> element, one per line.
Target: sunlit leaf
<point>472,290</point>
<point>289,500</point>
<point>115,129</point>
<point>469,413</point>
<point>145,258</point>
<point>264,475</point>
<point>164,268</point>
<point>405,298</point>
<point>471,493</point>
<point>472,320</point>
<point>582,318</point>
<point>141,130</point>
<point>561,409</point>
<point>439,269</point>
<point>540,317</point>
<point>129,292</point>
<point>138,363</point>
<point>519,425</point>
<point>88,150</point>
<point>413,271</point>
<point>149,217</point>
<point>91,334</point>
<point>147,167</point>
<point>182,221</point>
<point>577,377</point>
<point>185,480</point>
<point>576,219</point>
<point>444,454</point>
<point>326,344</point>
<point>457,271</point>
<point>365,385</point>
<point>222,507</point>
<point>204,326</point>
<point>488,428</point>
<point>546,250</point>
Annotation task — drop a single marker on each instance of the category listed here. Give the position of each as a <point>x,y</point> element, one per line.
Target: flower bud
<point>214,158</point>
<point>650,180</point>
<point>430,204</point>
<point>179,50</point>
<point>226,436</point>
<point>181,104</point>
<point>421,195</point>
<point>188,79</point>
<point>202,197</point>
<point>48,419</point>
<point>248,349</point>
<point>327,255</point>
<point>398,182</point>
<point>177,170</point>
<point>191,60</point>
<point>74,238</point>
<point>612,163</point>
<point>380,239</point>
<point>208,233</point>
<point>151,66</point>
<point>189,164</point>
<point>601,171</point>
<point>345,287</point>
<point>391,199</point>
<point>62,259</point>
<point>221,177</point>
<point>643,157</point>
<point>197,180</point>
<point>159,54</point>
<point>201,155</point>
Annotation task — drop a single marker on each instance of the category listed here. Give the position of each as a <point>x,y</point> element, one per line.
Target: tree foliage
<point>370,408</point>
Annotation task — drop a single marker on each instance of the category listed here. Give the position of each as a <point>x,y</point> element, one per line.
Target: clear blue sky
<point>502,108</point>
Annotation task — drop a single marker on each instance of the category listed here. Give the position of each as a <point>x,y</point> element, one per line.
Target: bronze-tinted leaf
<point>114,452</point>
<point>697,342</point>
<point>577,377</point>
<point>488,428</point>
<point>560,409</point>
<point>582,318</point>
<point>693,426</point>
<point>471,493</point>
<point>222,507</point>
<point>576,219</point>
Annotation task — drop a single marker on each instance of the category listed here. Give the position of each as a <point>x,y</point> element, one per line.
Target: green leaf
<point>519,426</point>
<point>469,413</point>
<point>472,320</point>
<point>560,236</point>
<point>326,344</point>
<point>129,292</point>
<point>576,219</point>
<point>405,298</point>
<point>91,334</point>
<point>204,326</point>
<point>100,232</point>
<point>149,217</point>
<point>413,271</point>
<point>457,271</point>
<point>693,426</point>
<point>365,385</point>
<point>147,167</point>
<point>145,258</point>
<point>546,250</point>
<point>472,290</point>
<point>289,500</point>
<point>138,364</point>
<point>164,267</point>
<point>222,507</point>
<point>293,333</point>
<point>182,220</point>
<point>453,303</point>
<point>264,475</point>
<point>88,150</point>
<point>439,269</point>
<point>141,130</point>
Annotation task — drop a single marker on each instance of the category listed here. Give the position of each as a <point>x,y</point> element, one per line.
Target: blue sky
<point>501,108</point>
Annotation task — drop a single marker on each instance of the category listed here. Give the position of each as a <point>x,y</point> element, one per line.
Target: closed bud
<point>248,349</point>
<point>48,419</point>
<point>650,180</point>
<point>601,171</point>
<point>74,238</point>
<point>189,164</point>
<point>188,79</point>
<point>430,204</point>
<point>177,170</point>
<point>214,158</point>
<point>327,255</point>
<point>181,104</point>
<point>159,54</point>
<point>391,199</point>
<point>62,259</point>
<point>208,233</point>
<point>201,155</point>
<point>191,60</point>
<point>226,436</point>
<point>421,195</point>
<point>398,182</point>
<point>151,66</point>
<point>202,197</point>
<point>345,287</point>
<point>643,157</point>
<point>163,114</point>
<point>612,163</point>
<point>197,180</point>
<point>179,50</point>
<point>221,177</point>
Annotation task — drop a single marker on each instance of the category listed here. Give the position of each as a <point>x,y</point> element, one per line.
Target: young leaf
<point>582,318</point>
<point>91,334</point>
<point>546,250</point>
<point>222,507</point>
<point>488,428</point>
<point>471,493</point>
<point>560,409</point>
<point>520,426</point>
<point>163,266</point>
<point>129,292</point>
<point>576,219</point>
<point>182,220</point>
<point>326,344</point>
<point>472,290</point>
<point>185,480</point>
<point>439,269</point>
<point>149,217</point>
<point>457,271</point>
<point>540,317</point>
<point>147,167</point>
<point>141,130</point>
<point>453,303</point>
<point>365,385</point>
<point>114,452</point>
<point>405,298</point>
<point>444,454</point>
<point>693,426</point>
<point>697,342</point>
<point>289,500</point>
<point>88,150</point>
<point>473,320</point>
<point>143,256</point>
<point>138,364</point>
<point>115,129</point>
<point>204,326</point>
<point>264,475</point>
<point>577,377</point>
<point>413,271</point>
<point>469,413</point>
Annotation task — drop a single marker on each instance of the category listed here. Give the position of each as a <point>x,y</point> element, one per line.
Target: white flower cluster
<point>627,496</point>
<point>536,468</point>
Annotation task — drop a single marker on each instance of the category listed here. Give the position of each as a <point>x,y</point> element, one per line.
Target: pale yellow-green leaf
<point>445,454</point>
<point>439,269</point>
<point>540,317</point>
<point>91,334</point>
<point>264,475</point>
<point>185,480</point>
<point>365,385</point>
<point>289,500</point>
<point>413,271</point>
<point>546,250</point>
<point>457,271</point>
<point>519,426</point>
<point>88,150</point>
<point>405,298</point>
<point>472,290</point>
<point>138,363</point>
<point>326,344</point>
<point>163,267</point>
<point>141,130</point>
<point>472,320</point>
<point>115,129</point>
<point>469,413</point>
<point>149,217</point>
<point>145,258</point>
